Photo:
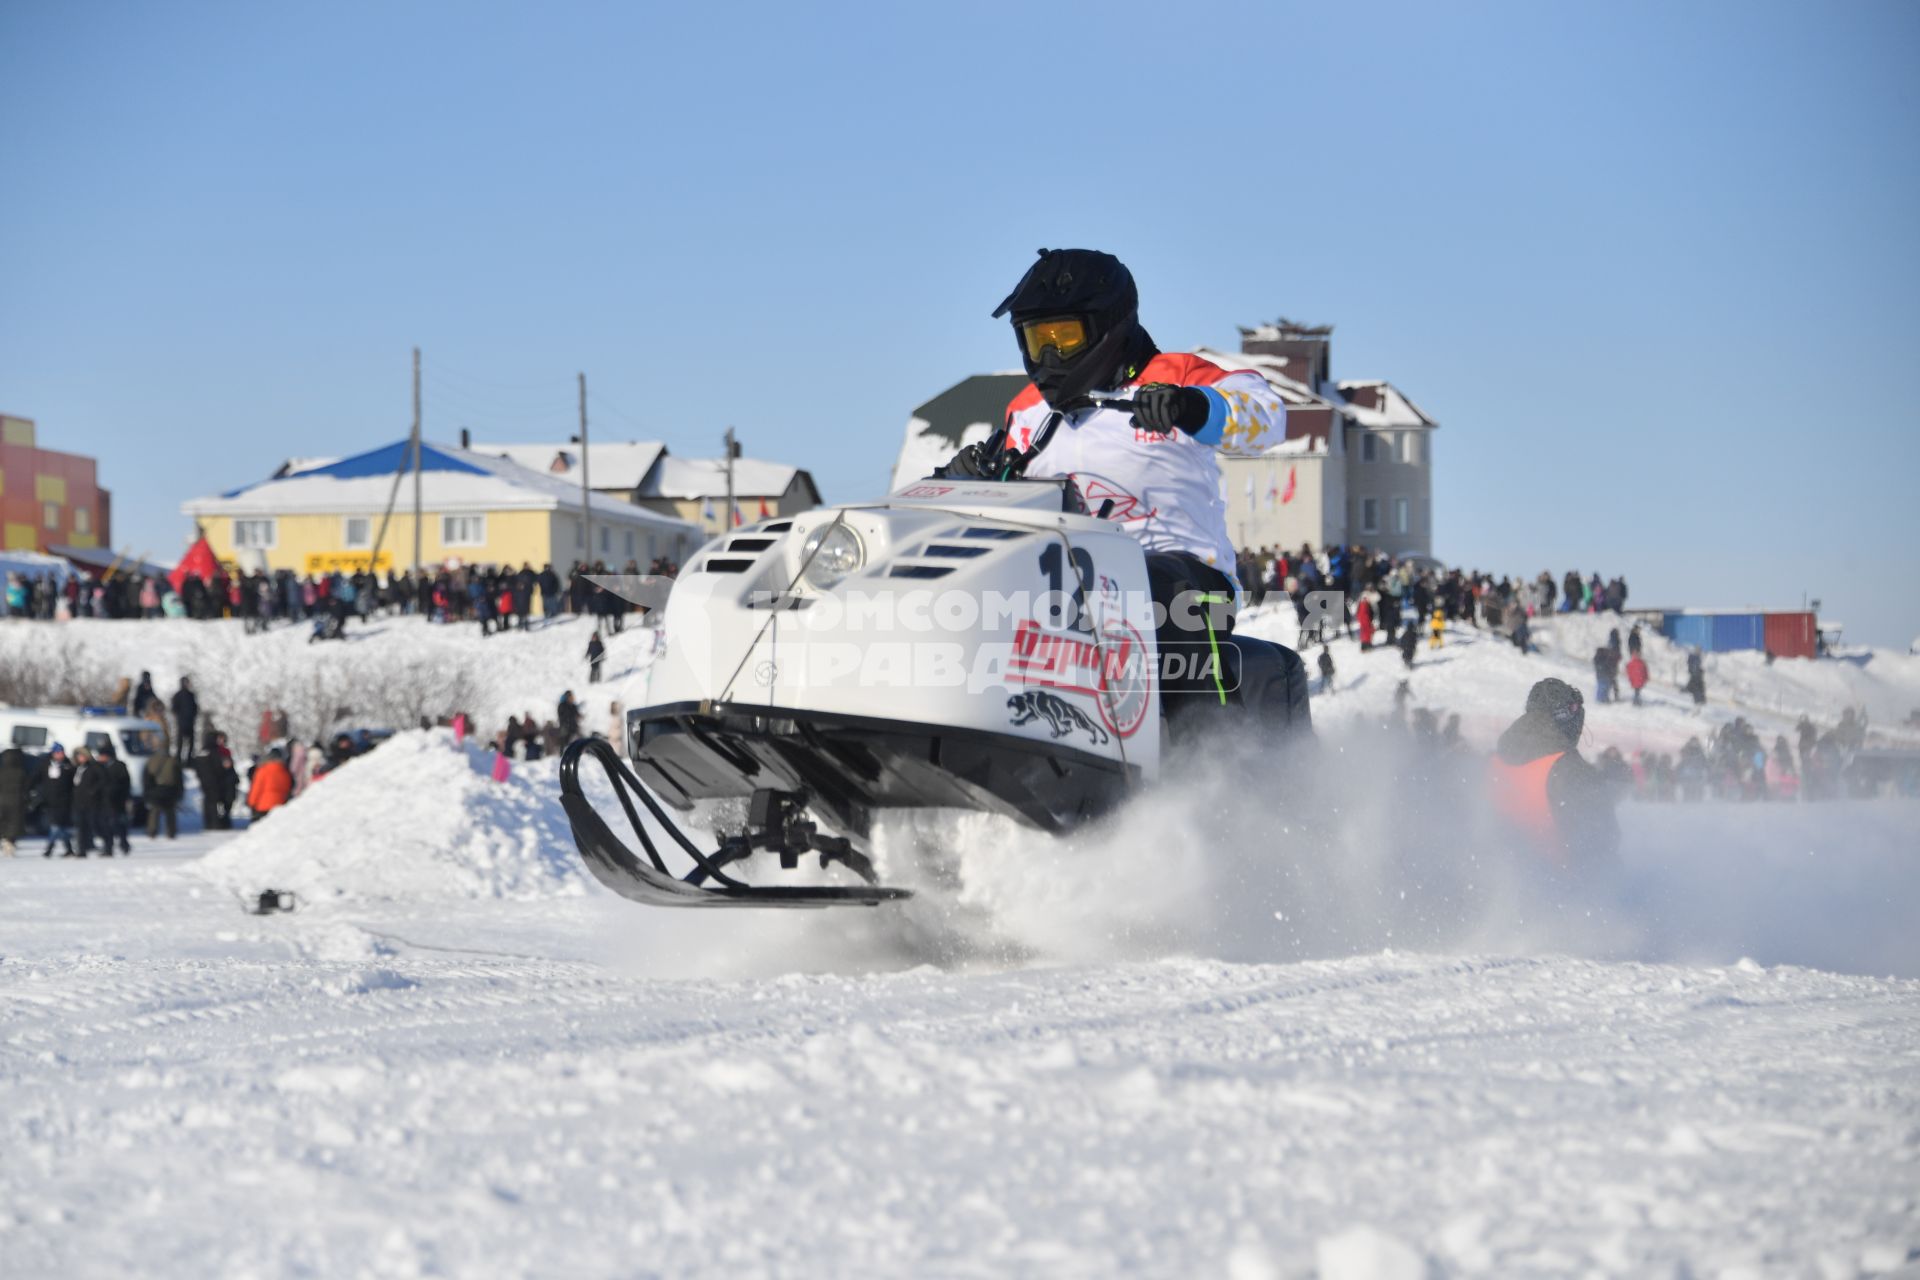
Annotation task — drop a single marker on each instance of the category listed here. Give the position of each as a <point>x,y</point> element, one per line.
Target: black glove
<point>1160,407</point>
<point>974,462</point>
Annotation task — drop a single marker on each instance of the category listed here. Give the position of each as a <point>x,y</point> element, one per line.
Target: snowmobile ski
<point>776,825</point>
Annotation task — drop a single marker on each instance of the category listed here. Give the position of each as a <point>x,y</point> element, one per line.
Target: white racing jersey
<point>1164,488</point>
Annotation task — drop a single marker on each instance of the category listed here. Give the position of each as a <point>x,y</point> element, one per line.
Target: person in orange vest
<point>272,784</point>
<point>1544,790</point>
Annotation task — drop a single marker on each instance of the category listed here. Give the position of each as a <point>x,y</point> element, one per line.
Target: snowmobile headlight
<point>831,553</point>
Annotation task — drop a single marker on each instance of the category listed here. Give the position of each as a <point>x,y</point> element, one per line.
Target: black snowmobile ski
<point>776,824</point>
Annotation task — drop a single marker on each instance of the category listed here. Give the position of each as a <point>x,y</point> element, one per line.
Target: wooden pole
<point>586,484</point>
<point>416,462</point>
<point>726,517</point>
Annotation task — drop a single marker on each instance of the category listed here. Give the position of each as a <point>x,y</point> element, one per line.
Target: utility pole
<point>733,451</point>
<point>416,463</point>
<point>586,488</point>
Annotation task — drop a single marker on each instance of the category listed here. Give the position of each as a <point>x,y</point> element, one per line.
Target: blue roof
<point>383,461</point>
<point>388,459</point>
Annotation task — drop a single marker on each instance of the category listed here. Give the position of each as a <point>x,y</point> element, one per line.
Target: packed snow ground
<point>1216,1036</point>
<point>497,1088</point>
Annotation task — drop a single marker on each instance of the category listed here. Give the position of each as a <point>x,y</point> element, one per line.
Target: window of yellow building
<point>463,531</point>
<point>261,534</point>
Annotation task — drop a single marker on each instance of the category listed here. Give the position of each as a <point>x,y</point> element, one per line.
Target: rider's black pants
<point>1194,604</point>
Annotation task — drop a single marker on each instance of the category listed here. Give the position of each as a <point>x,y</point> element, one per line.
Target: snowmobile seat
<point>1272,685</point>
<point>1266,687</point>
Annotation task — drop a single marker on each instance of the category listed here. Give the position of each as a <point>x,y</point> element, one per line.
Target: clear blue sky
<point>1653,267</point>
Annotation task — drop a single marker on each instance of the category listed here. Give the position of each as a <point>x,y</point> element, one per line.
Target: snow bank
<point>420,818</point>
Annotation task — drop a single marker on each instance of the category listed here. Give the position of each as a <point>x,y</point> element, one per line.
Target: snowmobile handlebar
<point>1011,464</point>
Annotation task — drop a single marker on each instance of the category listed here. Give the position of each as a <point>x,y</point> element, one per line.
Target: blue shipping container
<point>1716,632</point>
<point>1739,631</point>
<point>1689,630</point>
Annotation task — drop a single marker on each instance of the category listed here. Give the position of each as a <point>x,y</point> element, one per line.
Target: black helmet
<point>1561,703</point>
<point>1076,314</point>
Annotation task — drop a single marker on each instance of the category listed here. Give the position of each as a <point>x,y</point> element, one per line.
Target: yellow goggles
<point>1065,334</point>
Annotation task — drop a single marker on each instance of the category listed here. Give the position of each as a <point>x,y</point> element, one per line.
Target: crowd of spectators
<point>1383,593</point>
<point>85,803</point>
<point>1734,763</point>
<point>497,597</point>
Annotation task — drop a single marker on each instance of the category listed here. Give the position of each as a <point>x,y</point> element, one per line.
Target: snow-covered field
<point>1147,1050</point>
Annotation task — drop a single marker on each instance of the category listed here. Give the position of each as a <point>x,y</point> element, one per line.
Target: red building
<point>47,498</point>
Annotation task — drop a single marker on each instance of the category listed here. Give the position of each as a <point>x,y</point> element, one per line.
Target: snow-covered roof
<point>1285,328</point>
<point>965,413</point>
<point>689,478</point>
<point>1297,446</point>
<point>451,479</point>
<point>1373,402</point>
<point>33,564</point>
<point>101,559</point>
<point>614,464</point>
<point>293,466</point>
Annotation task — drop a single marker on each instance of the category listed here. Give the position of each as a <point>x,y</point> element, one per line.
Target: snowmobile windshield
<point>1067,335</point>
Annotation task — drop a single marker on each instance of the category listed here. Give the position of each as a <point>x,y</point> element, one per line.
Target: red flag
<point>198,561</point>
<point>1291,478</point>
<point>764,513</point>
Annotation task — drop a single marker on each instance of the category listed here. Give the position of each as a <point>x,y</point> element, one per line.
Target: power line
<point>545,384</point>
<point>444,404</point>
<point>617,412</point>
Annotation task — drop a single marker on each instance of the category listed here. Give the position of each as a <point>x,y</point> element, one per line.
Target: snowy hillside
<point>1485,679</point>
<point>1265,1023</point>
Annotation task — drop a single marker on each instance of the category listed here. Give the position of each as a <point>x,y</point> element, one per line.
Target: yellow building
<point>476,510</point>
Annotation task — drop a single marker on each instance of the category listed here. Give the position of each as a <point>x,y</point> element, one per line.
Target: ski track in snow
<point>1175,1045</point>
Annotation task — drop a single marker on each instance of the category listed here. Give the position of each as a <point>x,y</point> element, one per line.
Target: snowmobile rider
<point>1558,802</point>
<point>1075,314</point>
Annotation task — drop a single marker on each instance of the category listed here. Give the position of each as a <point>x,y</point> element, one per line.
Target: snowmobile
<point>970,644</point>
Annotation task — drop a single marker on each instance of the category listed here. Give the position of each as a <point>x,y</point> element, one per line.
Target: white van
<point>35,729</point>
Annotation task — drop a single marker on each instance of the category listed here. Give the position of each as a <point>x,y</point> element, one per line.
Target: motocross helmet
<point>1076,315</point>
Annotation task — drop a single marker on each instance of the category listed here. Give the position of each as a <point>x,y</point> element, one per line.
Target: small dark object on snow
<point>272,900</point>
